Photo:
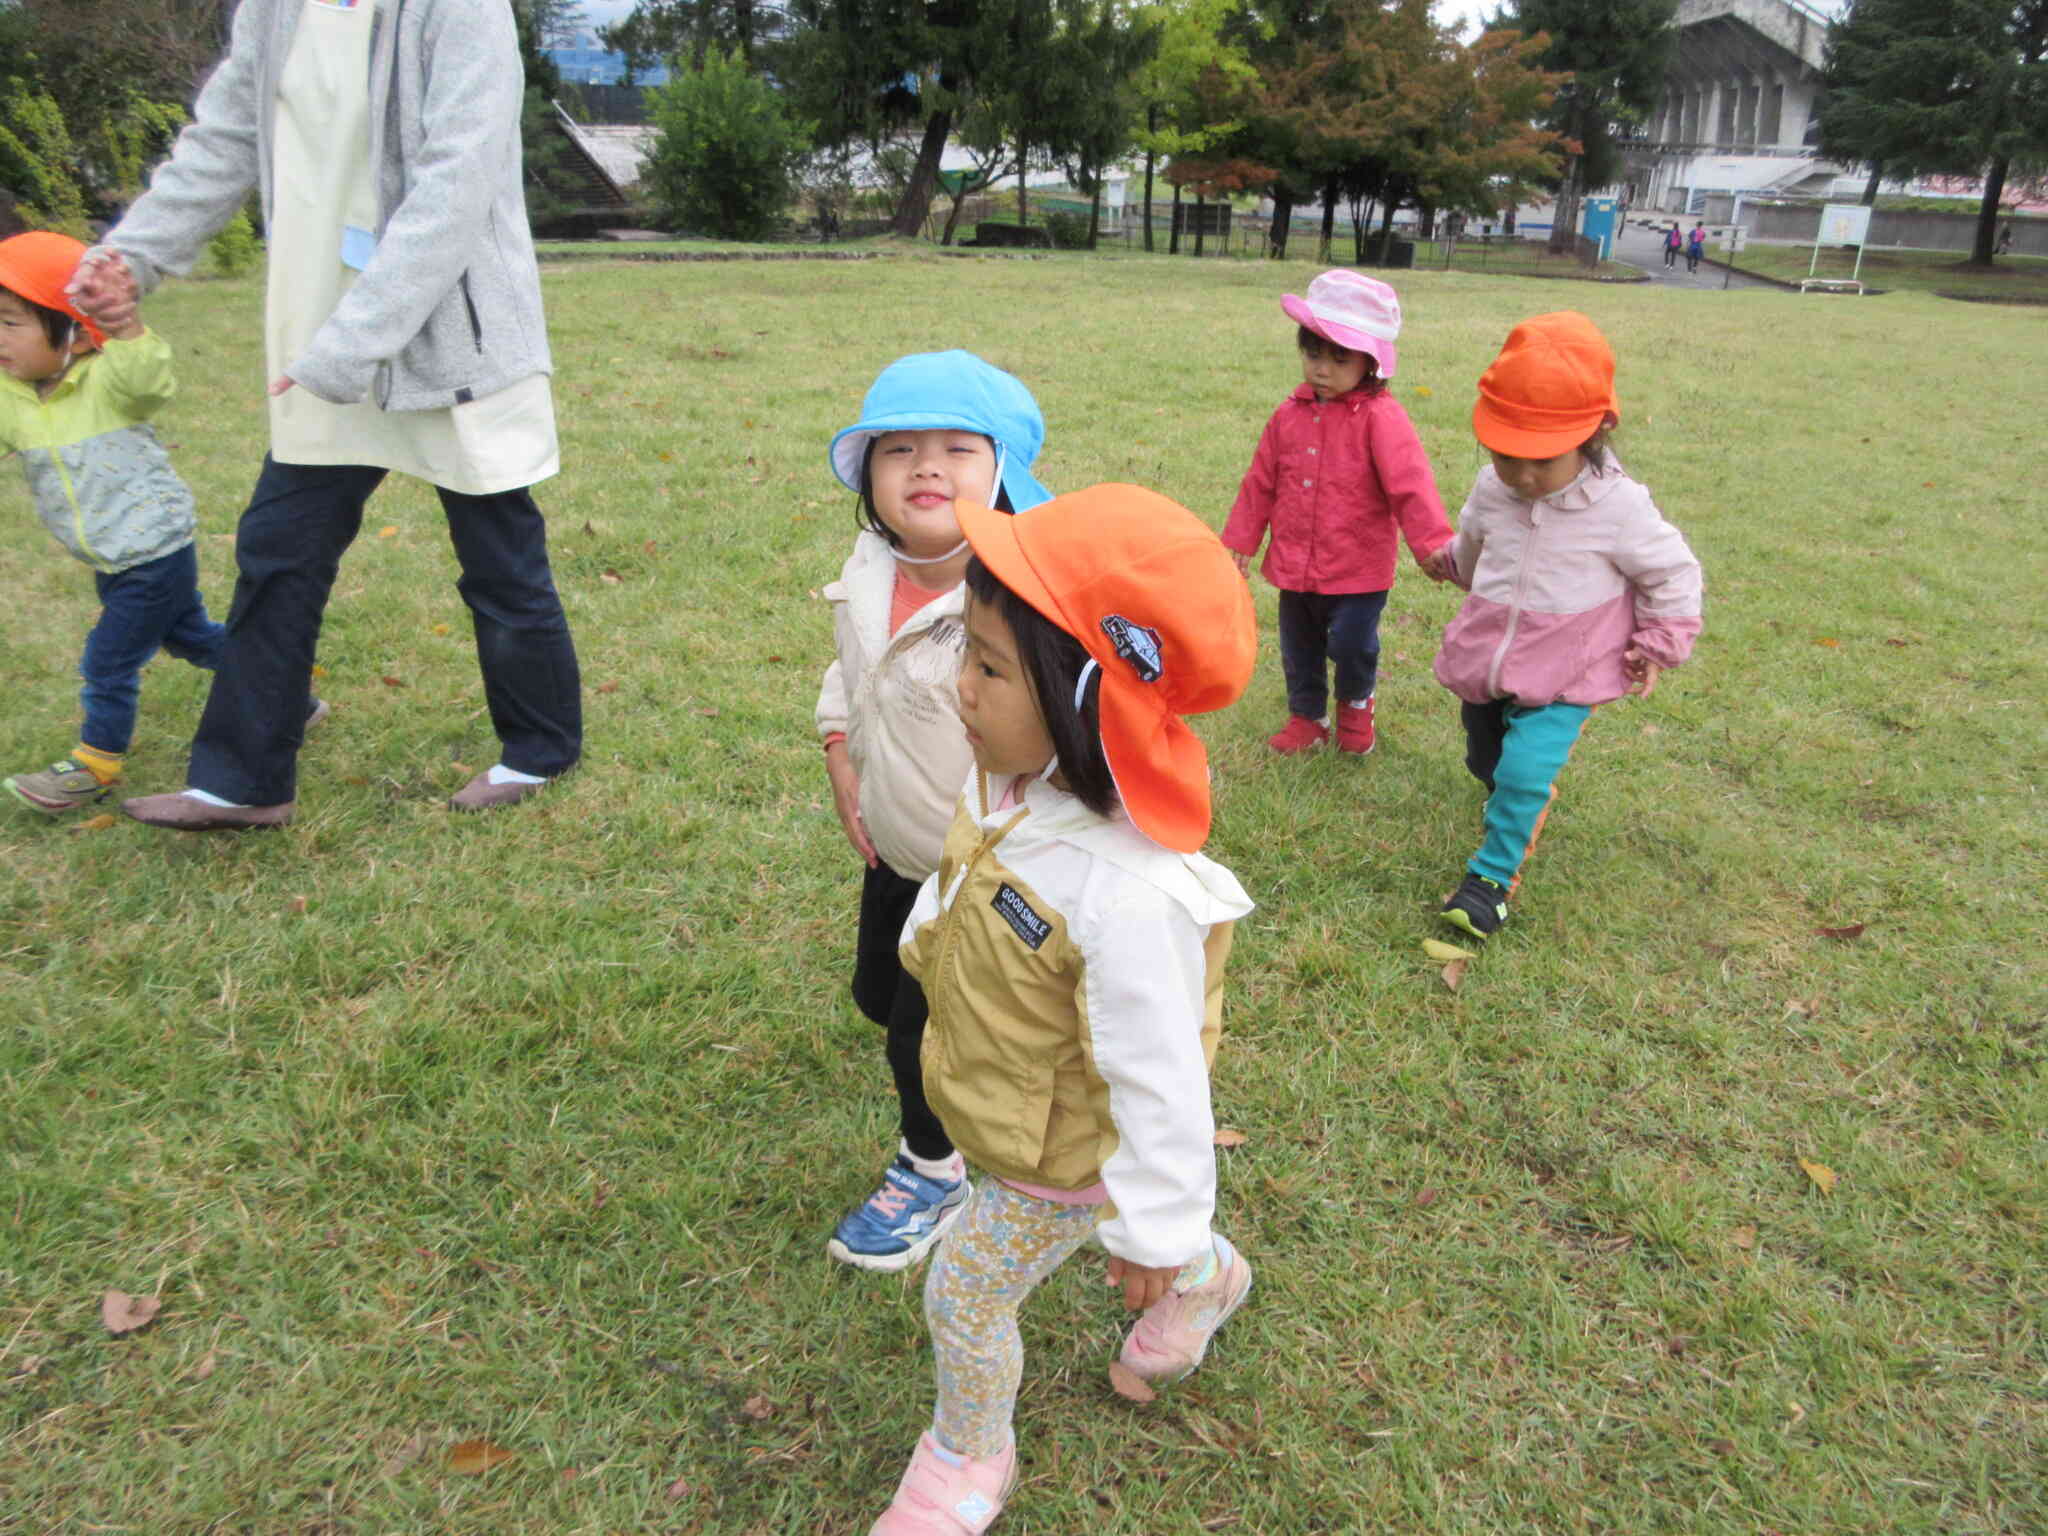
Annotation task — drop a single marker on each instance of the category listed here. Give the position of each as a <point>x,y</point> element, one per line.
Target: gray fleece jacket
<point>448,308</point>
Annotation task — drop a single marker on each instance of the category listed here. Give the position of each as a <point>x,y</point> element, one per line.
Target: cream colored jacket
<point>896,700</point>
<point>1075,974</point>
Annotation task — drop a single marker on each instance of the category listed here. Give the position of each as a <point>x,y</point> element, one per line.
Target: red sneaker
<point>1354,729</point>
<point>1299,734</point>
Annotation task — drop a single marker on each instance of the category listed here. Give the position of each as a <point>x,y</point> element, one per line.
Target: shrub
<point>725,151</point>
<point>235,249</point>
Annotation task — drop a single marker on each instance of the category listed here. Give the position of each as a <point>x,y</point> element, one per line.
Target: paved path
<point>1644,248</point>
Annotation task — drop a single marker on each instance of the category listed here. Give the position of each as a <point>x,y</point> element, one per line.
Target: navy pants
<point>288,547</point>
<point>146,608</point>
<point>1319,628</point>
<point>891,997</point>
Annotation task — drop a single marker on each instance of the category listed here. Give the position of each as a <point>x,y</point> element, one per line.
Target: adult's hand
<point>281,383</point>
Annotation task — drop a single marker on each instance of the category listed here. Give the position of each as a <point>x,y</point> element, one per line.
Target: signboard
<point>1844,224</point>
<point>1736,237</point>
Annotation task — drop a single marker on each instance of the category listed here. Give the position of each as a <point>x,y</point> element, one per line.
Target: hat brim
<point>1381,351</point>
<point>1519,442</point>
<point>1160,766</point>
<point>17,281</point>
<point>851,444</point>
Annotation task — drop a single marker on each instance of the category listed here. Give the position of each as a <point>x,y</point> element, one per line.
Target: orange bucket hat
<point>37,265</point>
<point>1551,388</point>
<point>1155,599</point>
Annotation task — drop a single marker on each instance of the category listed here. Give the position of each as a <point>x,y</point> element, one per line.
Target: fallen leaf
<point>388,531</point>
<point>296,905</point>
<point>1802,1008</point>
<point>1799,1409</point>
<point>648,548</point>
<point>758,1407</point>
<point>123,1314</point>
<point>408,1453</point>
<point>440,629</point>
<point>1743,1237</point>
<point>1833,645</point>
<point>1849,932</point>
<point>318,670</point>
<point>98,823</point>
<point>394,682</point>
<point>708,714</point>
<point>1727,1447</point>
<point>1437,949</point>
<point>472,1457</point>
<point>1455,973</point>
<point>611,578</point>
<point>1895,640</point>
<point>1822,1175</point>
<point>567,1473</point>
<point>1427,1198</point>
<point>462,768</point>
<point>1227,1137</point>
<point>609,687</point>
<point>1424,390</point>
<point>589,532</point>
<point>679,1489</point>
<point>204,1368</point>
<point>1130,1384</point>
<point>775,658</point>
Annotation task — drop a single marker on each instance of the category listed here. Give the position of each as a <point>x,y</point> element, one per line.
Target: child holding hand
<point>1072,943</point>
<point>1580,590</point>
<point>1338,472</point>
<point>76,395</point>
<point>936,428</point>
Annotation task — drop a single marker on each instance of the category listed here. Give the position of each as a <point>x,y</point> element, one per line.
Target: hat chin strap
<point>1088,670</point>
<point>904,559</point>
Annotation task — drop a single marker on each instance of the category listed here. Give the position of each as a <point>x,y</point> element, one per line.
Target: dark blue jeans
<point>149,607</point>
<point>288,547</point>
<point>1321,627</point>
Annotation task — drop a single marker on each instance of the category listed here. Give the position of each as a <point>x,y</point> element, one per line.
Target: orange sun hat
<point>1551,388</point>
<point>1156,601</point>
<point>37,265</point>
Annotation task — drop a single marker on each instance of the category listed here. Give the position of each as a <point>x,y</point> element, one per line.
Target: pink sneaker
<point>1354,729</point>
<point>937,1498</point>
<point>1299,734</point>
<point>1170,1339</point>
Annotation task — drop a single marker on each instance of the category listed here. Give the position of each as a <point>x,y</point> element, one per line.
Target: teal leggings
<point>1517,753</point>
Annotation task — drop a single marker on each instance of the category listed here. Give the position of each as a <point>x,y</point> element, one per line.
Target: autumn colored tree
<point>1488,148</point>
<point>1192,75</point>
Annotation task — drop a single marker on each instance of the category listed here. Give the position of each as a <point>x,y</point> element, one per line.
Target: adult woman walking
<point>404,332</point>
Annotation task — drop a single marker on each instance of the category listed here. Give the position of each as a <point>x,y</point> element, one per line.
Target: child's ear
<point>1609,422</point>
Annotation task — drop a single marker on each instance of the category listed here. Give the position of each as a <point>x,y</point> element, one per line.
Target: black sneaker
<point>1478,906</point>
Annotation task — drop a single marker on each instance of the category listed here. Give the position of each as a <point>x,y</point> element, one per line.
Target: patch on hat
<point>1137,645</point>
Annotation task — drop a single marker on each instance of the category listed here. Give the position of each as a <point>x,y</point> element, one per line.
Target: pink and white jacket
<point>1332,480</point>
<point>1562,587</point>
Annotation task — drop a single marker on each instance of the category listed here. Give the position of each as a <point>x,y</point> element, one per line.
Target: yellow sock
<point>104,766</point>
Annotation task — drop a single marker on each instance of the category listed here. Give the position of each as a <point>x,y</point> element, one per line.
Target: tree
<point>1955,87</point>
<point>38,165</point>
<point>1168,86</point>
<point>1616,52</point>
<point>658,30</point>
<point>726,150</point>
<point>1097,52</point>
<point>1488,148</point>
<point>555,22</point>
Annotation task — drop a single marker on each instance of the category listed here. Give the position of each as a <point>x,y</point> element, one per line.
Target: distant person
<point>2004,240</point>
<point>1674,242</point>
<point>404,331</point>
<point>75,403</point>
<point>1695,247</point>
<point>937,429</point>
<point>1580,591</point>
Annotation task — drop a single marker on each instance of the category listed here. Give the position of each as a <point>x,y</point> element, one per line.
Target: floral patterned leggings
<point>995,1255</point>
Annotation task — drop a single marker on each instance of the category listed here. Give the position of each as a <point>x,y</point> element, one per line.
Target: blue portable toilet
<point>1598,222</point>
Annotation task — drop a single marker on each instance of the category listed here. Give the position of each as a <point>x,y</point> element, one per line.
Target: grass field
<point>2012,278</point>
<point>529,1129</point>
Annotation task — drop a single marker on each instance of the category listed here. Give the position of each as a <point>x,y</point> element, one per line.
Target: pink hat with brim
<point>1352,310</point>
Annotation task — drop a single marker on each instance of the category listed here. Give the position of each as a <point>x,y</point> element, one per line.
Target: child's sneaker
<point>1170,1339</point>
<point>1299,734</point>
<point>1479,906</point>
<point>936,1498</point>
<point>897,1225</point>
<point>1354,729</point>
<point>58,788</point>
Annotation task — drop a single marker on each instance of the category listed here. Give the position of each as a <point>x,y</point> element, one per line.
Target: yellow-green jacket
<point>101,480</point>
<point>1074,970</point>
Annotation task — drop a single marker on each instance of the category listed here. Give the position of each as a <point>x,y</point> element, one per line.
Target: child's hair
<point>1594,449</point>
<point>864,513</point>
<point>1053,660</point>
<point>58,328</point>
<point>1309,342</point>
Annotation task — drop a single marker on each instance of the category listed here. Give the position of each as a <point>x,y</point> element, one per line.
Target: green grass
<point>2011,278</point>
<point>532,1126</point>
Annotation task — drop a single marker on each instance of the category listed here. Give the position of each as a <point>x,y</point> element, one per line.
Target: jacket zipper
<point>476,326</point>
<point>950,932</point>
<point>1521,592</point>
<point>70,494</point>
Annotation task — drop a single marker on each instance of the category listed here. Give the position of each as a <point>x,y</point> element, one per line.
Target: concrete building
<point>1738,113</point>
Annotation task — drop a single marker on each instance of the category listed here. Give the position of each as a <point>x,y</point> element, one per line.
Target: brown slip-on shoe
<point>480,794</point>
<point>182,813</point>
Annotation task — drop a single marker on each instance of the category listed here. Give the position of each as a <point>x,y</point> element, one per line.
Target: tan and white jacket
<point>1075,974</point>
<point>897,701</point>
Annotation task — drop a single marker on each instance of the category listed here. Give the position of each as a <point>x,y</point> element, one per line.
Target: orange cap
<point>37,265</point>
<point>1155,599</point>
<point>1551,388</point>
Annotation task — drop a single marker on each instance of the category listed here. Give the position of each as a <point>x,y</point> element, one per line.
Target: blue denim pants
<point>1318,628</point>
<point>146,608</point>
<point>288,548</point>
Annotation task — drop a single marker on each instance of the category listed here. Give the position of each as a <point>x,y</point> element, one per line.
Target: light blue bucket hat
<point>939,390</point>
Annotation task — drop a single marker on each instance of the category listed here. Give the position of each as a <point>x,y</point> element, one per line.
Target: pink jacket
<point>1561,587</point>
<point>1330,480</point>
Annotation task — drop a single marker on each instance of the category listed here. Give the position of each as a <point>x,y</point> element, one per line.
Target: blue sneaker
<point>897,1225</point>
